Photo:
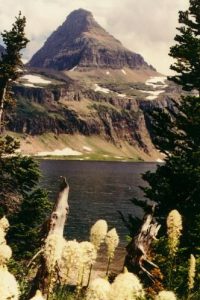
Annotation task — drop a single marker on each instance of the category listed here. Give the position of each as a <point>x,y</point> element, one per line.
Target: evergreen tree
<point>11,64</point>
<point>25,204</point>
<point>176,132</point>
<point>187,50</point>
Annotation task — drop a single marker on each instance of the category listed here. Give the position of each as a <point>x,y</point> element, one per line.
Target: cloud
<point>146,26</point>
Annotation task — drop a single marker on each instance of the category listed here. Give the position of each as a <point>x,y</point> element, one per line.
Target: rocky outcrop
<point>81,41</point>
<point>42,110</point>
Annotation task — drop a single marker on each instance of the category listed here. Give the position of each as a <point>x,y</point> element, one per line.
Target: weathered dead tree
<point>137,258</point>
<point>54,225</point>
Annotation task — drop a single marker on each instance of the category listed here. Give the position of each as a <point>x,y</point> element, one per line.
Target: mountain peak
<point>81,41</point>
<point>80,12</point>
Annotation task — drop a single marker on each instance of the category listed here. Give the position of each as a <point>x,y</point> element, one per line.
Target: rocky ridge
<point>73,109</point>
<point>81,42</point>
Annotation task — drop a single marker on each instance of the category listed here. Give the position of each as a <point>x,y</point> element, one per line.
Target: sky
<point>147,27</point>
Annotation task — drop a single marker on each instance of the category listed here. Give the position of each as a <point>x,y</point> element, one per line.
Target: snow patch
<point>101,89</point>
<point>121,95</point>
<point>73,69</point>
<point>35,79</point>
<point>87,148</point>
<point>154,95</point>
<point>30,85</point>
<point>159,160</point>
<point>64,152</point>
<point>123,71</point>
<point>155,81</point>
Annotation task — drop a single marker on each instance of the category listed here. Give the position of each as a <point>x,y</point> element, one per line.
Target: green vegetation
<point>176,184</point>
<point>22,200</point>
<point>175,187</point>
<point>11,63</point>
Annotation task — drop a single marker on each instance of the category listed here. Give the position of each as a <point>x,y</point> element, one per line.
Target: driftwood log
<point>54,225</point>
<point>137,258</point>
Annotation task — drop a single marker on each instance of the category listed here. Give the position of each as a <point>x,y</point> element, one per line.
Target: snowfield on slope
<point>101,89</point>
<point>35,79</point>
<point>155,82</point>
<point>64,152</point>
<point>98,88</point>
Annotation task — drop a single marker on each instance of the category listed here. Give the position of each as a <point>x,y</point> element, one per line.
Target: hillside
<point>83,90</point>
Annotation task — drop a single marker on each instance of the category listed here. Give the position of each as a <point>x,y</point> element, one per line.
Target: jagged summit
<point>81,41</point>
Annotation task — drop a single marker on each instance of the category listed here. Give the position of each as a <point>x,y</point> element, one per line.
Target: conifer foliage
<point>11,64</point>
<point>176,132</point>
<point>25,204</point>
<point>187,50</point>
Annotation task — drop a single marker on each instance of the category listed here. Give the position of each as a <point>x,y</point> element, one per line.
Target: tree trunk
<point>139,248</point>
<point>54,225</point>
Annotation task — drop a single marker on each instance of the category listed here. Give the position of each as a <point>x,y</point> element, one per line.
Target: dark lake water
<point>98,190</point>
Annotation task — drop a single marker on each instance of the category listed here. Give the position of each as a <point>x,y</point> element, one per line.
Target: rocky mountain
<point>81,41</point>
<point>85,91</point>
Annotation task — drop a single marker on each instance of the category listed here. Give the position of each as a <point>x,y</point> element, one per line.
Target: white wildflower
<point>174,228</point>
<point>4,224</point>
<point>8,285</point>
<point>53,250</point>
<point>5,254</point>
<point>98,233</point>
<point>88,258</point>
<point>126,287</point>
<point>165,295</point>
<point>70,260</point>
<point>2,236</point>
<point>191,272</point>
<point>112,241</point>
<point>98,290</point>
<point>38,296</point>
<point>89,254</point>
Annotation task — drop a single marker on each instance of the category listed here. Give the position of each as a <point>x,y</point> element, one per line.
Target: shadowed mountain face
<point>81,41</point>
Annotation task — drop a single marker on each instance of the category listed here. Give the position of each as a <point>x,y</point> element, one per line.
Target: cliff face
<point>65,110</point>
<point>84,83</point>
<point>81,41</point>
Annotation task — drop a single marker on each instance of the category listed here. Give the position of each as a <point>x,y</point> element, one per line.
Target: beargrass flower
<point>5,254</point>
<point>126,286</point>
<point>174,228</point>
<point>165,295</point>
<point>88,258</point>
<point>112,241</point>
<point>4,224</point>
<point>70,260</point>
<point>88,254</point>
<point>98,233</point>
<point>2,236</point>
<point>191,272</point>
<point>38,296</point>
<point>53,250</point>
<point>99,289</point>
<point>8,285</point>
